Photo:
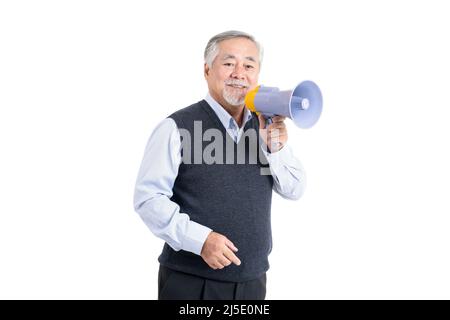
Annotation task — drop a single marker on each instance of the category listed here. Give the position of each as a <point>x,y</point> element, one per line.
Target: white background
<point>83,84</point>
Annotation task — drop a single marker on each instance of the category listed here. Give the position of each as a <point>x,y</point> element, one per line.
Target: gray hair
<point>212,48</point>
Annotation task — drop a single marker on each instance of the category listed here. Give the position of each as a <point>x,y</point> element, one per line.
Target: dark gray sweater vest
<point>231,199</point>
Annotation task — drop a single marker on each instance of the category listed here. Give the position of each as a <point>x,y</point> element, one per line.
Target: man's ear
<point>206,70</point>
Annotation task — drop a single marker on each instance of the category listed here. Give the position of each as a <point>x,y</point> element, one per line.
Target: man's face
<point>233,72</point>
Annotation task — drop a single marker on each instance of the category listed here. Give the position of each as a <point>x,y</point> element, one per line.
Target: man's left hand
<point>274,135</point>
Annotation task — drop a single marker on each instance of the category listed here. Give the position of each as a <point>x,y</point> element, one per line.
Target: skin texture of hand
<point>275,135</point>
<point>219,252</point>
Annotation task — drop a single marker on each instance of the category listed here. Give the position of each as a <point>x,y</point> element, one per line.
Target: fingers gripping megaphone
<point>303,104</point>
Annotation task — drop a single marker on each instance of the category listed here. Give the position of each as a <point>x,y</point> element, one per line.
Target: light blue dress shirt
<point>159,170</point>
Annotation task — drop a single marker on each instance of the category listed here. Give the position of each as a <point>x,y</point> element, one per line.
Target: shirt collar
<point>225,118</point>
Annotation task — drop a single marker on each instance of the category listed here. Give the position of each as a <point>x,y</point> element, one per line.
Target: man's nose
<point>238,72</point>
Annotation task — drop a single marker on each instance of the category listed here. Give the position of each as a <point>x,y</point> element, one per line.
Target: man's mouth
<point>237,86</point>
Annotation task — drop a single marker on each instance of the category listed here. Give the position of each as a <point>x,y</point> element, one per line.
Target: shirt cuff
<point>195,237</point>
<point>276,159</point>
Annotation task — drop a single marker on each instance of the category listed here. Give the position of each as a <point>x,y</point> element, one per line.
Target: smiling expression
<point>234,71</point>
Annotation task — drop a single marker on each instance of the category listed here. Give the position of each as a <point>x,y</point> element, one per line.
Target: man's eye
<point>228,64</point>
<point>249,66</point>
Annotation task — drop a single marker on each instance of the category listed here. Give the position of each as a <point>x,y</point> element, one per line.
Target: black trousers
<point>175,285</point>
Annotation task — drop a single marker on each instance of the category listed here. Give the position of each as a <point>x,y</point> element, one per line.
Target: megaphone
<point>303,104</point>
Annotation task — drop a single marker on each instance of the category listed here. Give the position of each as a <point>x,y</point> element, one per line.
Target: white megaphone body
<point>303,104</point>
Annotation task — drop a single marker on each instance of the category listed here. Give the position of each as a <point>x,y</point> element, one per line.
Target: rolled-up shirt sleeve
<point>156,177</point>
<point>288,174</point>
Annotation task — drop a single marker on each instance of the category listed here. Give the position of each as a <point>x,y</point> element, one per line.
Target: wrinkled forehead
<point>239,48</point>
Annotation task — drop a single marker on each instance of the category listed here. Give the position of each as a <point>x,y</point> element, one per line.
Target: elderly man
<point>215,216</point>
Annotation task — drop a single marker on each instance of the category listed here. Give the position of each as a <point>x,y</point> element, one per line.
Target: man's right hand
<point>218,251</point>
